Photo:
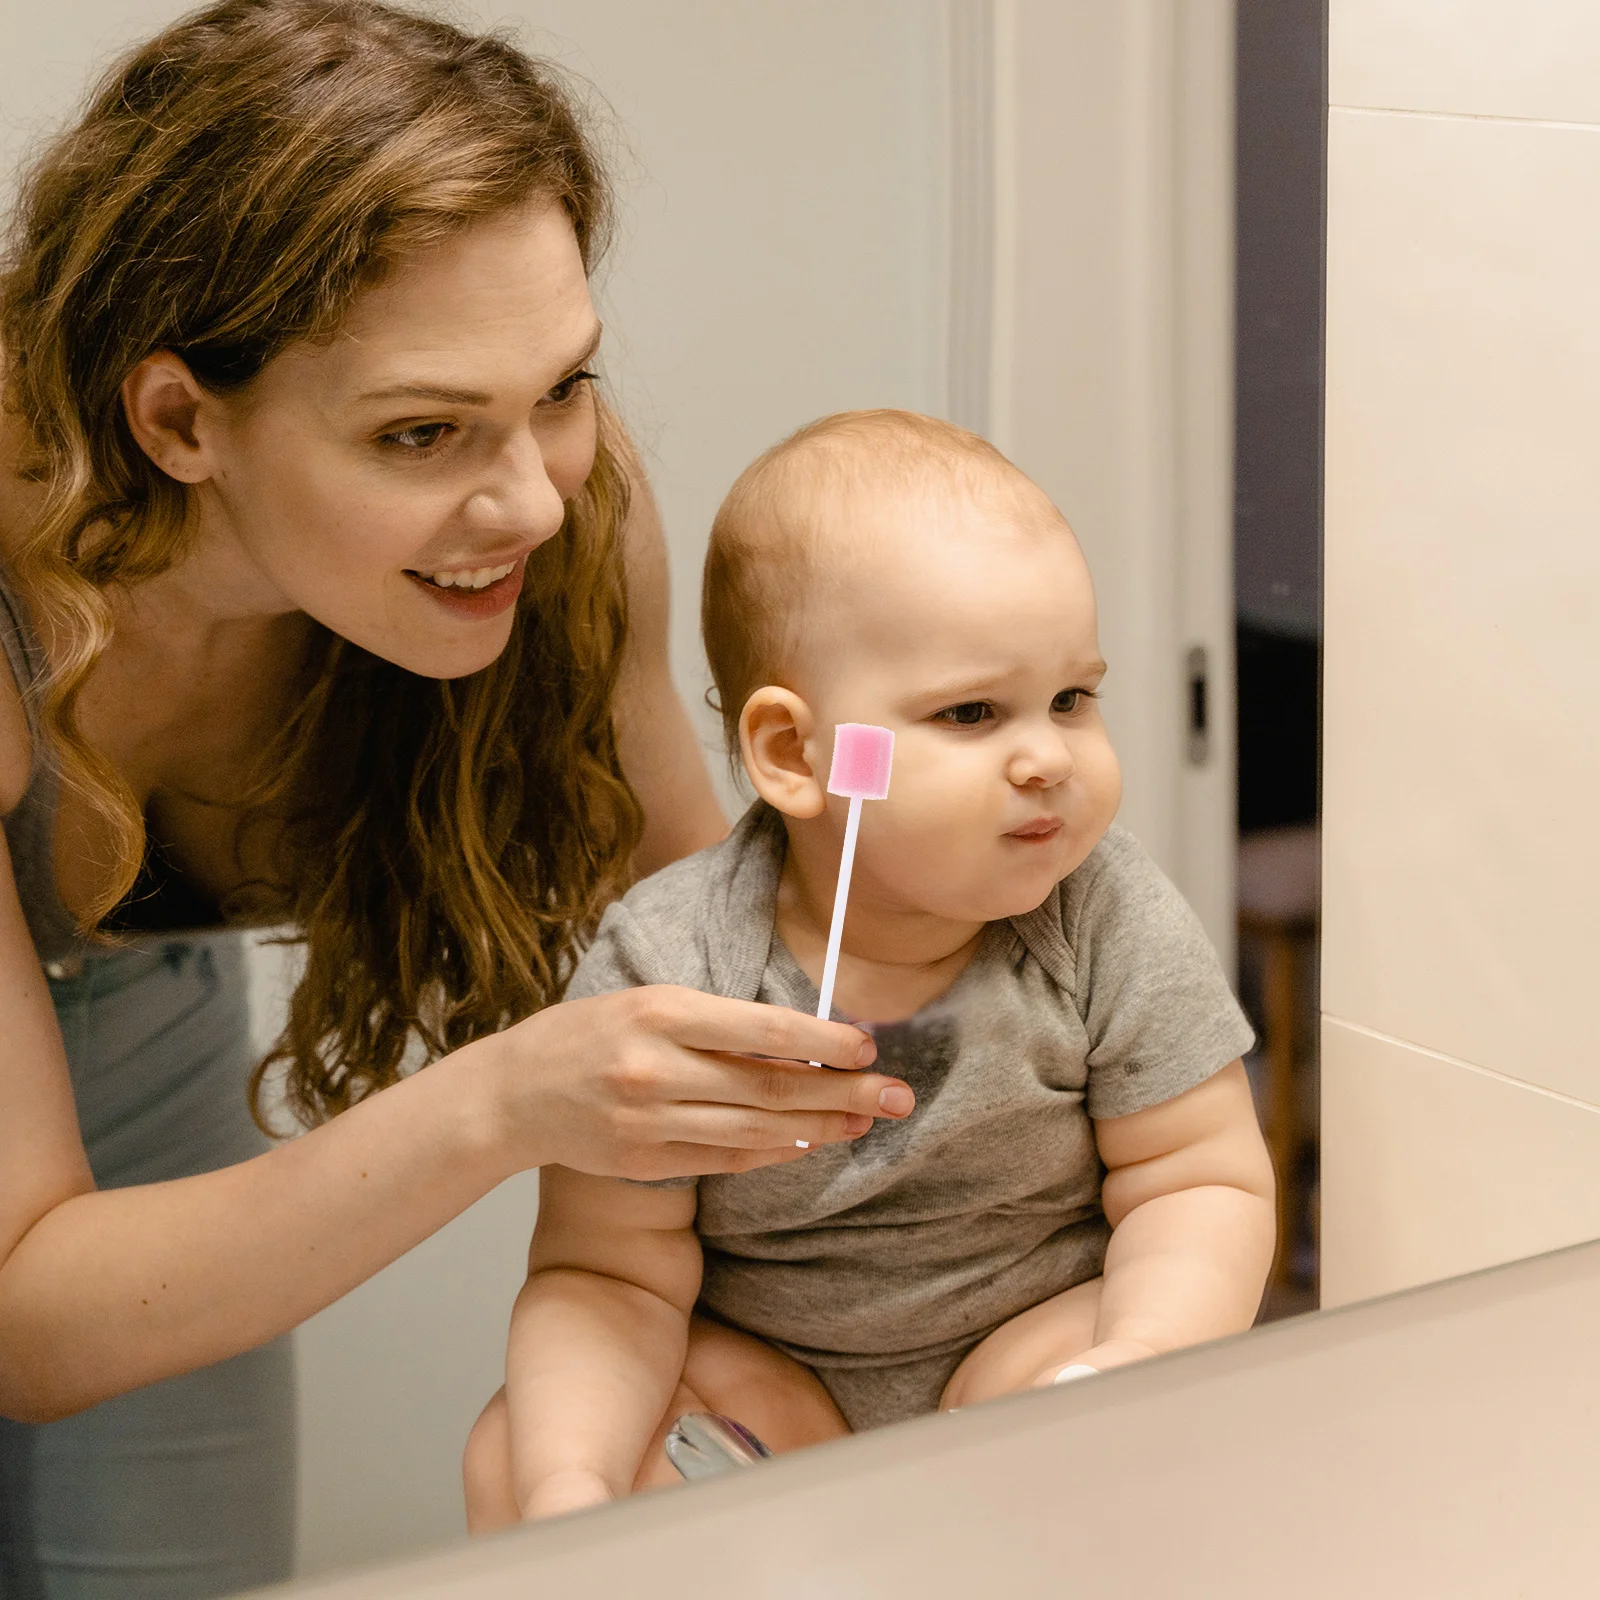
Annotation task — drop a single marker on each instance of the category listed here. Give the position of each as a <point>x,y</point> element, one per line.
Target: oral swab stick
<point>860,771</point>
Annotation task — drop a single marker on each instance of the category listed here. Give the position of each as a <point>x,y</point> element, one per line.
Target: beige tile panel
<point>1503,58</point>
<point>1431,1168</point>
<point>1462,670</point>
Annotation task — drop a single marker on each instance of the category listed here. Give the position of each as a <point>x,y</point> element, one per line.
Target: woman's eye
<point>567,388</point>
<point>966,715</point>
<point>421,436</point>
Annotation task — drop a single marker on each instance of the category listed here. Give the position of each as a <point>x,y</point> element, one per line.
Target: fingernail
<point>855,1122</point>
<point>801,1144</point>
<point>897,1100</point>
<point>1077,1370</point>
<point>867,1054</point>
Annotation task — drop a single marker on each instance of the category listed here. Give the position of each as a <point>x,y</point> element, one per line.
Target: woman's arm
<point>1189,1196</point>
<point>660,753</point>
<point>104,1291</point>
<point>598,1337</point>
<point>101,1292</point>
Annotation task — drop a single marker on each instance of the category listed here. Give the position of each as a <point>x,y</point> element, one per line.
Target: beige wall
<point>1461,1077</point>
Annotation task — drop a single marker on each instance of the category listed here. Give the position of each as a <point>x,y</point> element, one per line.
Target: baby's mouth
<point>1040,828</point>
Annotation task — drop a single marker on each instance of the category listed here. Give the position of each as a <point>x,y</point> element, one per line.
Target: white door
<point>1091,340</point>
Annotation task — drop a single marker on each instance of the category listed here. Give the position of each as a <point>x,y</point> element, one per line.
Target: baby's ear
<point>777,739</point>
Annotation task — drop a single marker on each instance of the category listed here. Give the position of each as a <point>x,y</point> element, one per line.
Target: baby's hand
<point>1112,1353</point>
<point>572,1489</point>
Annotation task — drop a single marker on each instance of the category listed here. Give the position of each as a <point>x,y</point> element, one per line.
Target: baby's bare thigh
<point>783,1403</point>
<point>740,1376</point>
<point>1048,1334</point>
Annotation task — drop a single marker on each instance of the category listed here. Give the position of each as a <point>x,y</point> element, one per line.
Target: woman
<point>330,599</point>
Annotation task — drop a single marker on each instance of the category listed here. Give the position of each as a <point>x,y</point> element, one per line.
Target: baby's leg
<point>486,1463</point>
<point>1047,1335</point>
<point>733,1373</point>
<point>486,1469</point>
<point>781,1402</point>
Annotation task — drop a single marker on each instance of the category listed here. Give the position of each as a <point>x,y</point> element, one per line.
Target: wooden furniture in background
<point>1278,900</point>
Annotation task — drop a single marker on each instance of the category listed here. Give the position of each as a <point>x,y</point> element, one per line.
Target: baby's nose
<point>1042,764</point>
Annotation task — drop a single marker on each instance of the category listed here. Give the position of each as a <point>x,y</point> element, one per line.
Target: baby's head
<point>888,568</point>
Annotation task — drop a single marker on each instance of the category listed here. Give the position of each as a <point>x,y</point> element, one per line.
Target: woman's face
<point>392,484</point>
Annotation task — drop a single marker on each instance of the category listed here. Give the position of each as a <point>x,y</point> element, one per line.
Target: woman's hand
<point>665,1082</point>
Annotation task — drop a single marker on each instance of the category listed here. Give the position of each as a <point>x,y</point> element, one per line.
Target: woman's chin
<point>453,664</point>
<point>459,657</point>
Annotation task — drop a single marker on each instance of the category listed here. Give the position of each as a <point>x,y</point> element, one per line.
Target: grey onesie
<point>881,1263</point>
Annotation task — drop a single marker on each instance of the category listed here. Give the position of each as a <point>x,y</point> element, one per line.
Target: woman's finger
<point>697,1160</point>
<point>746,1128</point>
<point>744,1027</point>
<point>792,1086</point>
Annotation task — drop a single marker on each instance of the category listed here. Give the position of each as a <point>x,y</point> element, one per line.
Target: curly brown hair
<point>441,848</point>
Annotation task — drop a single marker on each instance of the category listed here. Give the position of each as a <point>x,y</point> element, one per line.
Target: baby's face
<point>971,632</point>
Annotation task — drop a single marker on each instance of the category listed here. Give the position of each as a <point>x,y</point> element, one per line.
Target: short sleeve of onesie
<point>1156,1006</point>
<point>621,956</point>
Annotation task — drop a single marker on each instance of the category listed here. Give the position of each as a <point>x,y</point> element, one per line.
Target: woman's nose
<point>518,499</point>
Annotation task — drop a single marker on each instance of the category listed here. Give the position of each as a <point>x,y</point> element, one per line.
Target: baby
<point>1081,1183</point>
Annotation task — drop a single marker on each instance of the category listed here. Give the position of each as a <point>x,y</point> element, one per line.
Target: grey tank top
<point>31,825</point>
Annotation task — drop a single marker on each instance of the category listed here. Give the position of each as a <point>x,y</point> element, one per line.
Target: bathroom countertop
<point>1443,1441</point>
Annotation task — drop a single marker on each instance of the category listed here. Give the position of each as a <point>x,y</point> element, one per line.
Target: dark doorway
<point>1281,106</point>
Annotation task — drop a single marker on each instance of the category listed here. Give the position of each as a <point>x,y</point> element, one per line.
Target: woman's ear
<point>163,403</point>
<point>775,729</point>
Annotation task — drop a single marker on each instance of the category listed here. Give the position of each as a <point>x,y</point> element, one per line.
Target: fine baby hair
<point>775,547</point>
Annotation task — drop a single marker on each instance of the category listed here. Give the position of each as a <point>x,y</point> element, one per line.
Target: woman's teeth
<point>468,578</point>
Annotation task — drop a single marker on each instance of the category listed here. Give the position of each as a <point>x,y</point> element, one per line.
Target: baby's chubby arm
<point>598,1336</point>
<point>1189,1196</point>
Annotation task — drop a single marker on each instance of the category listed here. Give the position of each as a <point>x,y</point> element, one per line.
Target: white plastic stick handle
<point>830,966</point>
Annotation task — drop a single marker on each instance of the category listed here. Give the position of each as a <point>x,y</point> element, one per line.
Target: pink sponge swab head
<point>860,771</point>
<point>861,757</point>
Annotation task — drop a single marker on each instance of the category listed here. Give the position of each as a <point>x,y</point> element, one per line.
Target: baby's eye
<point>1070,700</point>
<point>966,715</point>
<point>567,388</point>
<point>420,437</point>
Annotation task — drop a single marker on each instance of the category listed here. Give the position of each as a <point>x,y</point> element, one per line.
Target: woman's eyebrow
<point>588,350</point>
<point>428,391</point>
<point>467,397</point>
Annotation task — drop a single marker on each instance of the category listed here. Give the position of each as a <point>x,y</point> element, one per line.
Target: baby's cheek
<point>1100,774</point>
<point>921,835</point>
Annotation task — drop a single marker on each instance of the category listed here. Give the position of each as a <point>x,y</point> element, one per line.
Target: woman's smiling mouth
<point>466,577</point>
<point>474,591</point>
